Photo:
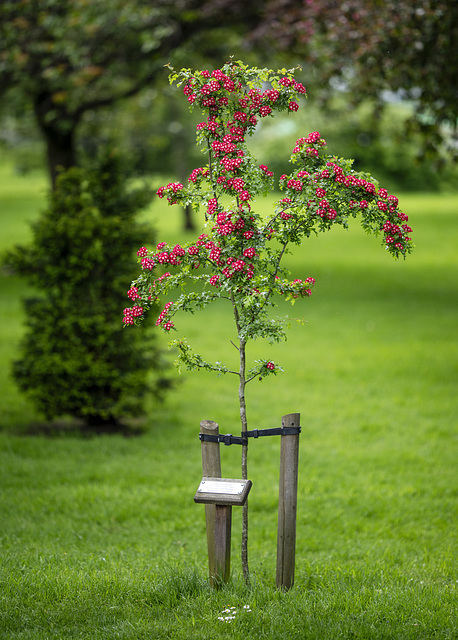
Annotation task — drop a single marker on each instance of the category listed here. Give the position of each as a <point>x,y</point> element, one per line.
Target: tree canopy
<point>70,56</point>
<point>377,46</point>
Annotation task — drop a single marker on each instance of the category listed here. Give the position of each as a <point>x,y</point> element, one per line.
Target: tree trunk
<point>244,424</point>
<point>58,130</point>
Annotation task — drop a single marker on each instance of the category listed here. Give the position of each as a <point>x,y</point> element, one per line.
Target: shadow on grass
<point>79,428</point>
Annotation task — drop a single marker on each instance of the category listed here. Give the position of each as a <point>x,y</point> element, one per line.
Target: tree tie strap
<point>275,431</point>
<point>229,439</point>
<point>226,439</point>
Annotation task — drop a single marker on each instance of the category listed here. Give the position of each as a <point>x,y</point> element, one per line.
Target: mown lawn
<point>100,537</point>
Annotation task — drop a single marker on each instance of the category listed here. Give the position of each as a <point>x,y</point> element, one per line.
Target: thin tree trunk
<point>244,423</point>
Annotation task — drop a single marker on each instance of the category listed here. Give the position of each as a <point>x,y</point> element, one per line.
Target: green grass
<point>100,537</point>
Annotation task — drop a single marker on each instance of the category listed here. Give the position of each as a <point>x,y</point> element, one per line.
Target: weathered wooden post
<point>211,467</point>
<point>287,505</point>
<point>223,494</point>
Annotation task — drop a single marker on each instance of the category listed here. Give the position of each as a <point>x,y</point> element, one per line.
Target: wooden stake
<point>223,523</point>
<point>211,468</point>
<point>287,505</point>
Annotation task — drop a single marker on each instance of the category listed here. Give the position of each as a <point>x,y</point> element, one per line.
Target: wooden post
<point>287,505</point>
<point>211,467</point>
<point>223,523</point>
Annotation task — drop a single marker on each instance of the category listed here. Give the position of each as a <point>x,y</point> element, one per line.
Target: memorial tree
<point>239,256</point>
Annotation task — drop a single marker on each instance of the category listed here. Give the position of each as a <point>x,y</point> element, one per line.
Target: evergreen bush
<point>75,358</point>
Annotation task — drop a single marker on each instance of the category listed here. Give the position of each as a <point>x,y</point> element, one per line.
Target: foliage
<point>239,257</point>
<point>379,147</point>
<point>372,47</point>
<point>74,358</point>
<point>68,57</point>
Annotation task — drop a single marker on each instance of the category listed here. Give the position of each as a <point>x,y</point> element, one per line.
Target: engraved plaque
<point>212,486</point>
<point>224,491</point>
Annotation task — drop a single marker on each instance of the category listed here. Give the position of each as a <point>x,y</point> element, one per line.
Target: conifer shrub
<point>75,358</point>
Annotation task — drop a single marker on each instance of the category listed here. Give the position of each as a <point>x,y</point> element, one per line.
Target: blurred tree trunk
<point>58,133</point>
<point>180,147</point>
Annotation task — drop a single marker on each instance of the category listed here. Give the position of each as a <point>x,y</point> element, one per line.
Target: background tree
<point>75,359</point>
<point>371,47</point>
<point>68,57</point>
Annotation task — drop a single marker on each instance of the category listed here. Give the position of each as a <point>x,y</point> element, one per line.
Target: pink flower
<point>313,137</point>
<point>143,251</point>
<point>293,106</point>
<point>163,258</point>
<point>133,293</point>
<point>294,184</point>
<point>178,250</point>
<point>270,366</point>
<point>147,263</point>
<point>241,116</point>
<point>273,95</point>
<point>265,111</point>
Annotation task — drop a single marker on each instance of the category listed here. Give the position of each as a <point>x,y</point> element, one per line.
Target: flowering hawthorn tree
<point>239,256</point>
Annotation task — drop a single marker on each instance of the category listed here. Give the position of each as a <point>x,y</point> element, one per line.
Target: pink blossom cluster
<point>164,257</point>
<point>237,266</point>
<point>198,173</point>
<point>266,170</point>
<point>165,316</point>
<point>325,210</point>
<point>131,313</point>
<point>148,264</point>
<point>172,191</point>
<point>297,288</point>
<point>361,193</point>
<point>395,234</point>
<point>213,91</point>
<point>133,293</point>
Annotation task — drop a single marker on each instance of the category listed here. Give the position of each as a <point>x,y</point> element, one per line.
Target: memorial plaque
<point>222,491</point>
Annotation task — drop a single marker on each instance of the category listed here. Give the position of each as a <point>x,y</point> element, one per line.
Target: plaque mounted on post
<point>223,491</point>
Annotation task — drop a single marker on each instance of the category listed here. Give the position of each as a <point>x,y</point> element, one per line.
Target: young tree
<point>74,358</point>
<point>239,257</point>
